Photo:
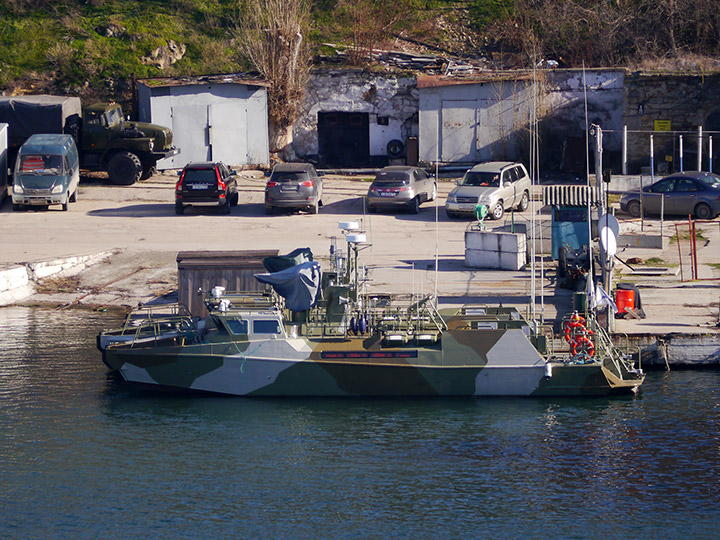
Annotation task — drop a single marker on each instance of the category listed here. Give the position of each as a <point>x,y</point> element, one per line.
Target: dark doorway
<point>344,139</point>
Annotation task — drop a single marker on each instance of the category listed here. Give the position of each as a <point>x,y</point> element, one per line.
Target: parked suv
<point>501,185</point>
<point>400,186</point>
<point>294,185</point>
<point>206,183</point>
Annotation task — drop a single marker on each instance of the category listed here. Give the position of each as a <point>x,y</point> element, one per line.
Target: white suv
<point>501,185</point>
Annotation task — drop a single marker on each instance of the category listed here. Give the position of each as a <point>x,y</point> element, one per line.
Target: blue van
<point>47,171</point>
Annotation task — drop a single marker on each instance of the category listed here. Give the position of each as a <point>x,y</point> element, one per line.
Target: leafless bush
<point>274,37</point>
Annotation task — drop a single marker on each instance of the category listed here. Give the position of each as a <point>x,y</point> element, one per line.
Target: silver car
<point>691,192</point>
<point>501,185</point>
<point>294,185</point>
<point>401,186</point>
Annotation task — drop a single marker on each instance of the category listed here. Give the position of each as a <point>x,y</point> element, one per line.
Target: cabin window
<point>266,327</point>
<point>236,326</point>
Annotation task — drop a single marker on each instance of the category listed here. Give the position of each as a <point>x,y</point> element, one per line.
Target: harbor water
<point>84,455</point>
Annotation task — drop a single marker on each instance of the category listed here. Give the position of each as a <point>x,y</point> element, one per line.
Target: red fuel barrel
<point>625,300</point>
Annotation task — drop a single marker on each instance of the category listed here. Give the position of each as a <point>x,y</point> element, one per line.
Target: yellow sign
<point>662,125</point>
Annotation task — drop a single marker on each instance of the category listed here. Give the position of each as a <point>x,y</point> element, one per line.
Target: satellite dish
<point>608,241</point>
<point>610,221</point>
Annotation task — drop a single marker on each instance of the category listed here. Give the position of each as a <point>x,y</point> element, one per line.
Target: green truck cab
<point>127,150</point>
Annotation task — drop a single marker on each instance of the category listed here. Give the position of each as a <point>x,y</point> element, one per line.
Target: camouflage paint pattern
<point>463,362</point>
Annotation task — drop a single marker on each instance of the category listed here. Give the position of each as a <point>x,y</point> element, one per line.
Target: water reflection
<point>83,454</point>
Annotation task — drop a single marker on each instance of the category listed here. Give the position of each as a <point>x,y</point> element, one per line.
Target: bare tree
<point>273,37</point>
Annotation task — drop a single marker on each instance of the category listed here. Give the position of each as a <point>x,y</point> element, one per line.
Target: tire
<point>372,209</point>
<point>498,211</point>
<point>314,208</point>
<point>235,199</point>
<point>74,197</point>
<point>16,207</point>
<point>395,149</point>
<point>633,208</point>
<point>433,195</point>
<point>414,206</point>
<point>65,205</point>
<point>124,169</point>
<point>148,172</point>
<point>703,211</point>
<point>524,202</point>
<point>225,208</point>
<point>179,209</point>
<point>269,210</point>
<point>451,215</point>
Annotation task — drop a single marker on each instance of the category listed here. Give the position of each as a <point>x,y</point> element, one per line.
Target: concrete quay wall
<point>18,282</point>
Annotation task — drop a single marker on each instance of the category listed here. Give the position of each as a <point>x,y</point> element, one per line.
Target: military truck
<point>127,150</point>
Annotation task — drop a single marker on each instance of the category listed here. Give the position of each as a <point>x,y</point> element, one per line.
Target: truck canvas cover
<point>27,115</point>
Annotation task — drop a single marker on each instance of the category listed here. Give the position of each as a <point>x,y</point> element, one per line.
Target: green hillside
<point>94,47</point>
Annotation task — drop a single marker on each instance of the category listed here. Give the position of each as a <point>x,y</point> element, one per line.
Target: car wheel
<point>16,207</point>
<point>269,210</point>
<point>73,197</point>
<point>235,199</point>
<point>433,195</point>
<point>414,206</point>
<point>450,214</point>
<point>225,208</point>
<point>148,172</point>
<point>372,209</point>
<point>524,202</point>
<point>124,168</point>
<point>314,208</point>
<point>633,208</point>
<point>65,205</point>
<point>498,211</point>
<point>179,209</point>
<point>703,211</point>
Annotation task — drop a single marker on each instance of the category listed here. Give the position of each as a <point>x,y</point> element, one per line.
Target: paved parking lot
<point>139,225</point>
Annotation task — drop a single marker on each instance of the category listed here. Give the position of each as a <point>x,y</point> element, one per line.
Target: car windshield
<point>709,179</point>
<point>41,165</point>
<point>207,176</point>
<point>481,178</point>
<point>289,176</point>
<point>392,177</point>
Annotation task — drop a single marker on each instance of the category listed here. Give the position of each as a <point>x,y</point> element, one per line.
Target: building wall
<point>682,103</point>
<point>389,96</point>
<point>562,109</point>
<point>213,121</point>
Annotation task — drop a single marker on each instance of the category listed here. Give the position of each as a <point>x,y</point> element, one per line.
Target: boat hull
<point>294,370</point>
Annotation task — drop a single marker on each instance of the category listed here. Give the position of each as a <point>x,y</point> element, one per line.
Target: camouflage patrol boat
<point>324,338</point>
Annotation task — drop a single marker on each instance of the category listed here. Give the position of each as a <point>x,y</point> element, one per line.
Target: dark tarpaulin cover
<point>27,115</point>
<point>281,262</point>
<point>299,285</point>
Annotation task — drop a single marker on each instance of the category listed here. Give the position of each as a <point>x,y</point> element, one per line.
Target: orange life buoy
<point>574,326</point>
<point>582,344</point>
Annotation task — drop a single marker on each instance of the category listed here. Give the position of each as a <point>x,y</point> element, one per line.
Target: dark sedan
<point>691,192</point>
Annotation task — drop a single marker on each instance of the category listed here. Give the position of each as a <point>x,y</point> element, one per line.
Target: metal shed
<point>204,270</point>
<point>213,118</point>
<point>473,120</point>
